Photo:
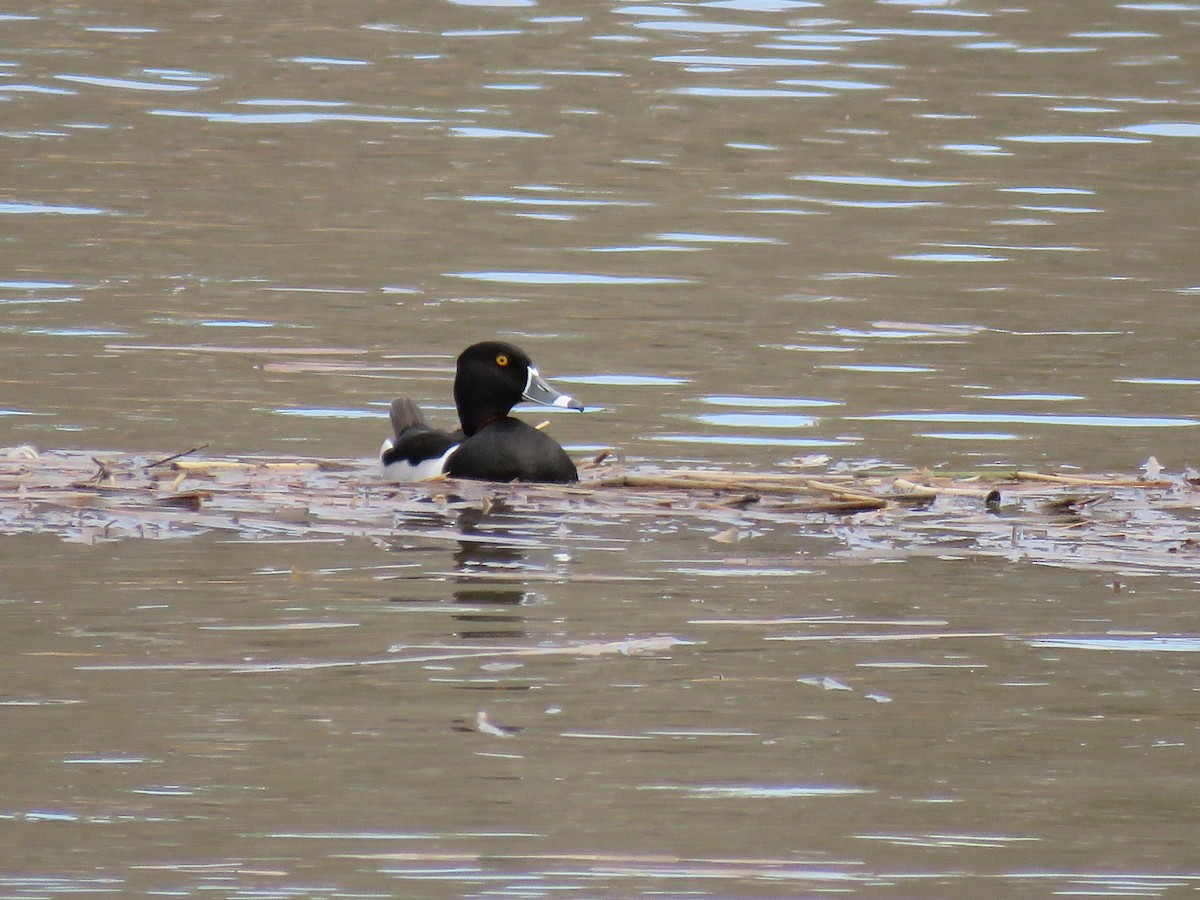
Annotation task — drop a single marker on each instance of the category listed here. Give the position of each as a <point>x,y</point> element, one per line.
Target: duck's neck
<point>480,401</point>
<point>475,420</point>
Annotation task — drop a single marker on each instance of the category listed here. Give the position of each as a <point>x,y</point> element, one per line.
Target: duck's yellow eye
<point>502,360</point>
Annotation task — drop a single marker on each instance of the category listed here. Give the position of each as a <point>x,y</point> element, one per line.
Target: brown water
<point>932,233</point>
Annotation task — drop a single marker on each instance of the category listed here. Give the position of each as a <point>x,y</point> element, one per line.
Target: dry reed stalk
<point>200,466</point>
<point>835,507</point>
<point>699,482</point>
<point>1090,480</point>
<point>192,500</point>
<point>725,481</point>
<point>74,498</point>
<point>838,490</point>
<point>596,460</point>
<point>114,489</point>
<point>738,477</point>
<point>912,490</point>
<point>929,490</point>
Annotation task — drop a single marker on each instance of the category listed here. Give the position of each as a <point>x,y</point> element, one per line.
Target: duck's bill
<point>538,390</point>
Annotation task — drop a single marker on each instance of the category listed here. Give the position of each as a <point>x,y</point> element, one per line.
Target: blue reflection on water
<point>1156,643</point>
<point>562,278</point>
<point>1029,419</point>
<point>772,402</point>
<point>757,420</point>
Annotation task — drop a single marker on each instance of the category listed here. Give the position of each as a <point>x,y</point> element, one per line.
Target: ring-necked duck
<point>489,380</point>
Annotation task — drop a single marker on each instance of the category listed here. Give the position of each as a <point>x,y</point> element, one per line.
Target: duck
<point>490,378</point>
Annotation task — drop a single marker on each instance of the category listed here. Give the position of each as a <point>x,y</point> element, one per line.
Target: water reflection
<point>1043,419</point>
<point>496,547</point>
<point>478,565</point>
<point>21,209</point>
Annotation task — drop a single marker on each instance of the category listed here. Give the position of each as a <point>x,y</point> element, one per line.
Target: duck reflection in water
<point>490,571</point>
<point>498,551</point>
<point>496,605</point>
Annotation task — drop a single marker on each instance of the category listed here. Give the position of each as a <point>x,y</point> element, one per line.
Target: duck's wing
<point>415,451</point>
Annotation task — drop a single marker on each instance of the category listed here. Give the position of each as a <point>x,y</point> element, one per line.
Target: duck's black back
<point>511,450</point>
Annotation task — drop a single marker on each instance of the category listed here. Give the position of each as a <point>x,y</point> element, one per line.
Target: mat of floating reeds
<point>1112,522</point>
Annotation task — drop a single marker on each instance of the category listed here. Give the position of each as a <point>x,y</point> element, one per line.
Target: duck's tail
<point>415,452</point>
<point>405,414</point>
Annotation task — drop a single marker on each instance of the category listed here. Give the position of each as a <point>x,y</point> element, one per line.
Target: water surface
<point>756,235</point>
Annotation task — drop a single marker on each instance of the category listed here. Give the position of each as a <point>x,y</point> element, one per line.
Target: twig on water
<point>175,456</point>
<point>103,472</point>
<point>597,459</point>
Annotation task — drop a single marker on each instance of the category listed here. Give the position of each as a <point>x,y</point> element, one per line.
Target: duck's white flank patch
<point>402,470</point>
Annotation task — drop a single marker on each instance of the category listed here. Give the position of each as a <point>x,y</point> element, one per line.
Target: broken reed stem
<point>1092,480</point>
<point>840,500</point>
<point>740,476</point>
<point>838,490</point>
<point>703,482</point>
<point>845,486</point>
<point>597,459</point>
<point>204,465</point>
<point>916,489</point>
<point>865,504</point>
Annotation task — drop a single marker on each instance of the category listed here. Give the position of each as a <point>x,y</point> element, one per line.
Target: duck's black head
<point>492,377</point>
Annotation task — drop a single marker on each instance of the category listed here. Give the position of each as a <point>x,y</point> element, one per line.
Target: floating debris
<point>1119,523</point>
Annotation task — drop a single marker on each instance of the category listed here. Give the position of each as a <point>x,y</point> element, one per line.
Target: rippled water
<point>747,197</point>
<point>748,233</point>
